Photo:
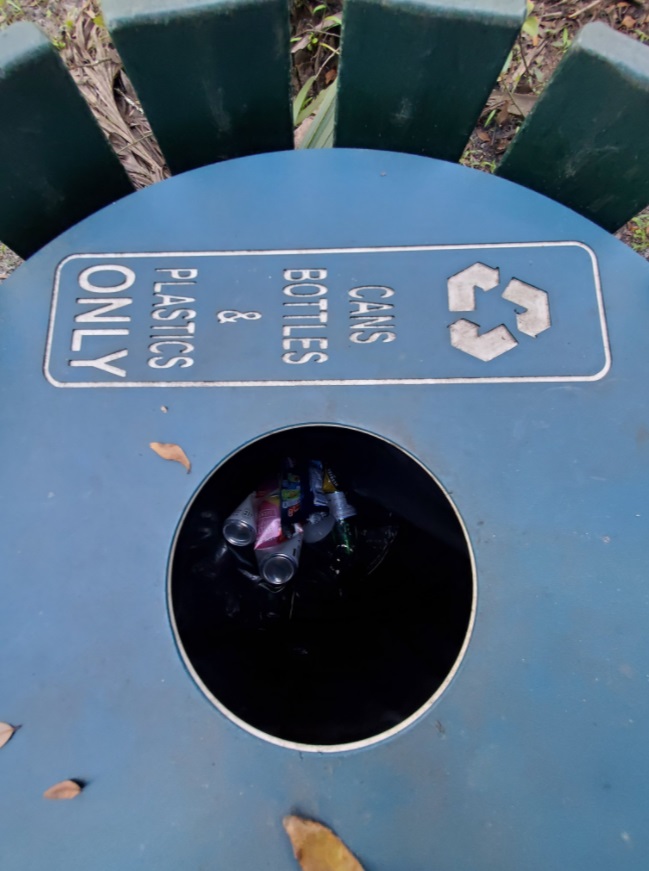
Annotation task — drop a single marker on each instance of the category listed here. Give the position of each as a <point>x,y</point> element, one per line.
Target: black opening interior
<point>327,662</point>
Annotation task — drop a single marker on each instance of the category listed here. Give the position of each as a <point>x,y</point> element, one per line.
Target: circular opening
<point>364,633</point>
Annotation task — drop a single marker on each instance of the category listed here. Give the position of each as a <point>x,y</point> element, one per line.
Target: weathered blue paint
<point>535,756</point>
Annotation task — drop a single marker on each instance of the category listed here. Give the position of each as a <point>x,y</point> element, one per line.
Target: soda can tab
<point>240,528</point>
<point>279,563</point>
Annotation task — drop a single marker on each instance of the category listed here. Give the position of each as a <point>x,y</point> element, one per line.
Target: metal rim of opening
<point>296,745</point>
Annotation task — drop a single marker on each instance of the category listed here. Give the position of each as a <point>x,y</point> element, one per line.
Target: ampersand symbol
<point>231,316</point>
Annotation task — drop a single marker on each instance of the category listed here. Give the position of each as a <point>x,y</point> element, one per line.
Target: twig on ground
<point>133,142</point>
<point>512,98</point>
<point>528,61</point>
<point>585,9</point>
<point>94,63</point>
<point>523,58</point>
<point>327,60</point>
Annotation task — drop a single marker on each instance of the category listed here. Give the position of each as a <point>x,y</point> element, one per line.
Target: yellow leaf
<point>64,789</point>
<point>316,847</point>
<point>171,452</point>
<point>6,731</point>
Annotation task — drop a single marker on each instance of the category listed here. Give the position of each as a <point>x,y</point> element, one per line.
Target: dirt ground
<point>76,29</point>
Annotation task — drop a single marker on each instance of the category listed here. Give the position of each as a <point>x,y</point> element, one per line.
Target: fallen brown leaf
<point>503,114</point>
<point>6,732</point>
<point>484,136</point>
<point>301,43</point>
<point>522,104</point>
<point>629,22</point>
<point>66,789</point>
<point>316,847</point>
<point>330,75</point>
<point>169,451</point>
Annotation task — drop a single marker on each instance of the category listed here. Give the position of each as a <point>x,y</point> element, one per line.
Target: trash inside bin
<point>367,608</point>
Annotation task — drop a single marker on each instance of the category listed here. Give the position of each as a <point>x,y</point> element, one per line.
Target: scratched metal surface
<point>536,755</point>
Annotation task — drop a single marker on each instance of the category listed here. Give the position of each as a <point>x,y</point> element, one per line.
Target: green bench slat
<point>586,142</point>
<point>213,76</point>
<point>414,76</point>
<point>56,166</point>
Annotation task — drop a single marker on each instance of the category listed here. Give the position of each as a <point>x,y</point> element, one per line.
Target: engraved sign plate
<point>388,315</point>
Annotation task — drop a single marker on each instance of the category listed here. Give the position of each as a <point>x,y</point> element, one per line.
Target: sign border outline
<point>335,382</point>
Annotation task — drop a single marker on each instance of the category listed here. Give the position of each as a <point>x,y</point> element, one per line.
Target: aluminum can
<point>240,528</point>
<point>278,563</point>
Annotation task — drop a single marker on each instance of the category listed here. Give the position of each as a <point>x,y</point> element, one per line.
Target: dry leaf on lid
<point>6,733</point>
<point>168,451</point>
<point>316,847</point>
<point>66,789</point>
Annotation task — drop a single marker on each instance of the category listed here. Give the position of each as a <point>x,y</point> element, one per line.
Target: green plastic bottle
<point>343,533</point>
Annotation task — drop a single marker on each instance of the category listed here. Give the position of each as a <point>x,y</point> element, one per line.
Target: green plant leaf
<point>321,132</point>
<point>311,107</point>
<point>300,100</point>
<point>330,48</point>
<point>531,26</point>
<point>490,118</point>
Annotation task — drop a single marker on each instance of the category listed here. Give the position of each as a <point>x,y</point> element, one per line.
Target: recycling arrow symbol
<point>466,336</point>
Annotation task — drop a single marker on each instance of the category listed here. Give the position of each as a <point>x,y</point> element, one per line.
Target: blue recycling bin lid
<point>485,338</point>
